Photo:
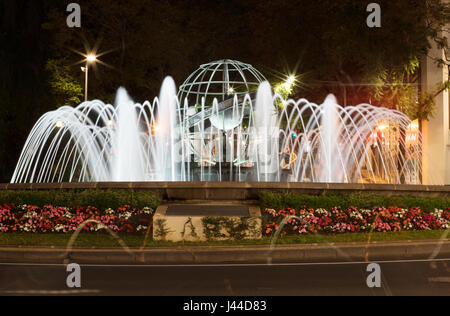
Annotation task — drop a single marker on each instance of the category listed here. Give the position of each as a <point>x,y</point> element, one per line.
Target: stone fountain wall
<point>239,191</point>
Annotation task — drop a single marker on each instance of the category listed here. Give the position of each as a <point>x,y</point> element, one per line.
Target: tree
<point>66,89</point>
<point>23,95</point>
<point>338,52</point>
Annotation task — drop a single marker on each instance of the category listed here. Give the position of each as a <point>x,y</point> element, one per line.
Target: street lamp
<point>289,82</point>
<point>91,58</point>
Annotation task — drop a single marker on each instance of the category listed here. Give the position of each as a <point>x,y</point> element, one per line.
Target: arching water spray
<point>127,151</point>
<point>239,139</point>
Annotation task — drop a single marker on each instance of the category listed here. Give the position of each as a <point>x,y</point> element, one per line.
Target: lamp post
<point>89,59</point>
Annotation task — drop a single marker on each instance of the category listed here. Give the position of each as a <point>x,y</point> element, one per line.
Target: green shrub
<point>101,199</point>
<point>275,200</point>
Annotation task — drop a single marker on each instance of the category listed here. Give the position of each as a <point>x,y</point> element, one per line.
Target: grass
<point>90,240</point>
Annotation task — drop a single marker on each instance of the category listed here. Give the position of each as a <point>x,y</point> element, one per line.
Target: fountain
<point>330,170</point>
<point>264,137</point>
<point>234,135</point>
<point>128,156</point>
<point>167,136</point>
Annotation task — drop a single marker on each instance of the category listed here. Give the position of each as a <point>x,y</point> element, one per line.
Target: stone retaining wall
<point>240,190</point>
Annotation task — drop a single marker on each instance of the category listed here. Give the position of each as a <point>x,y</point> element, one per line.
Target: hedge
<point>101,199</point>
<point>278,201</point>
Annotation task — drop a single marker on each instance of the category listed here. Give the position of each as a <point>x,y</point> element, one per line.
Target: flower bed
<point>51,219</point>
<point>337,220</point>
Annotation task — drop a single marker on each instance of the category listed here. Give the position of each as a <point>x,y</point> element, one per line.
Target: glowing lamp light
<point>382,127</point>
<point>91,58</point>
<point>414,125</point>
<point>155,128</point>
<point>289,82</point>
<point>231,90</point>
<point>59,124</point>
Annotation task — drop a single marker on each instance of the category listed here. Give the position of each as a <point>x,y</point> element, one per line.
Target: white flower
<point>355,214</point>
<point>125,215</point>
<point>141,227</point>
<point>68,215</point>
<point>109,211</point>
<point>147,210</point>
<point>58,228</point>
<point>100,226</point>
<point>437,213</point>
<point>30,214</point>
<point>26,228</point>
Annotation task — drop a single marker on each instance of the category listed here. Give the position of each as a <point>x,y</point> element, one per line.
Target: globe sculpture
<point>213,91</point>
<point>220,79</point>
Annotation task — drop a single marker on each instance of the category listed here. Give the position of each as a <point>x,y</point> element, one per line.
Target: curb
<point>310,253</point>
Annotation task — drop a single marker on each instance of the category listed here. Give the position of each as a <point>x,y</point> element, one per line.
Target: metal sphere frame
<point>221,79</point>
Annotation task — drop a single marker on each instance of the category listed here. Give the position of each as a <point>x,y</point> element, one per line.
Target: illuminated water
<point>267,139</point>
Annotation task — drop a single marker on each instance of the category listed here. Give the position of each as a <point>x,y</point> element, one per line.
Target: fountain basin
<point>239,191</point>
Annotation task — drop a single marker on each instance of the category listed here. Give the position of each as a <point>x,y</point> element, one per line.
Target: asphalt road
<point>398,278</point>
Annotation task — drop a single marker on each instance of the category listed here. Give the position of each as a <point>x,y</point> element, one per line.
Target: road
<point>415,277</point>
